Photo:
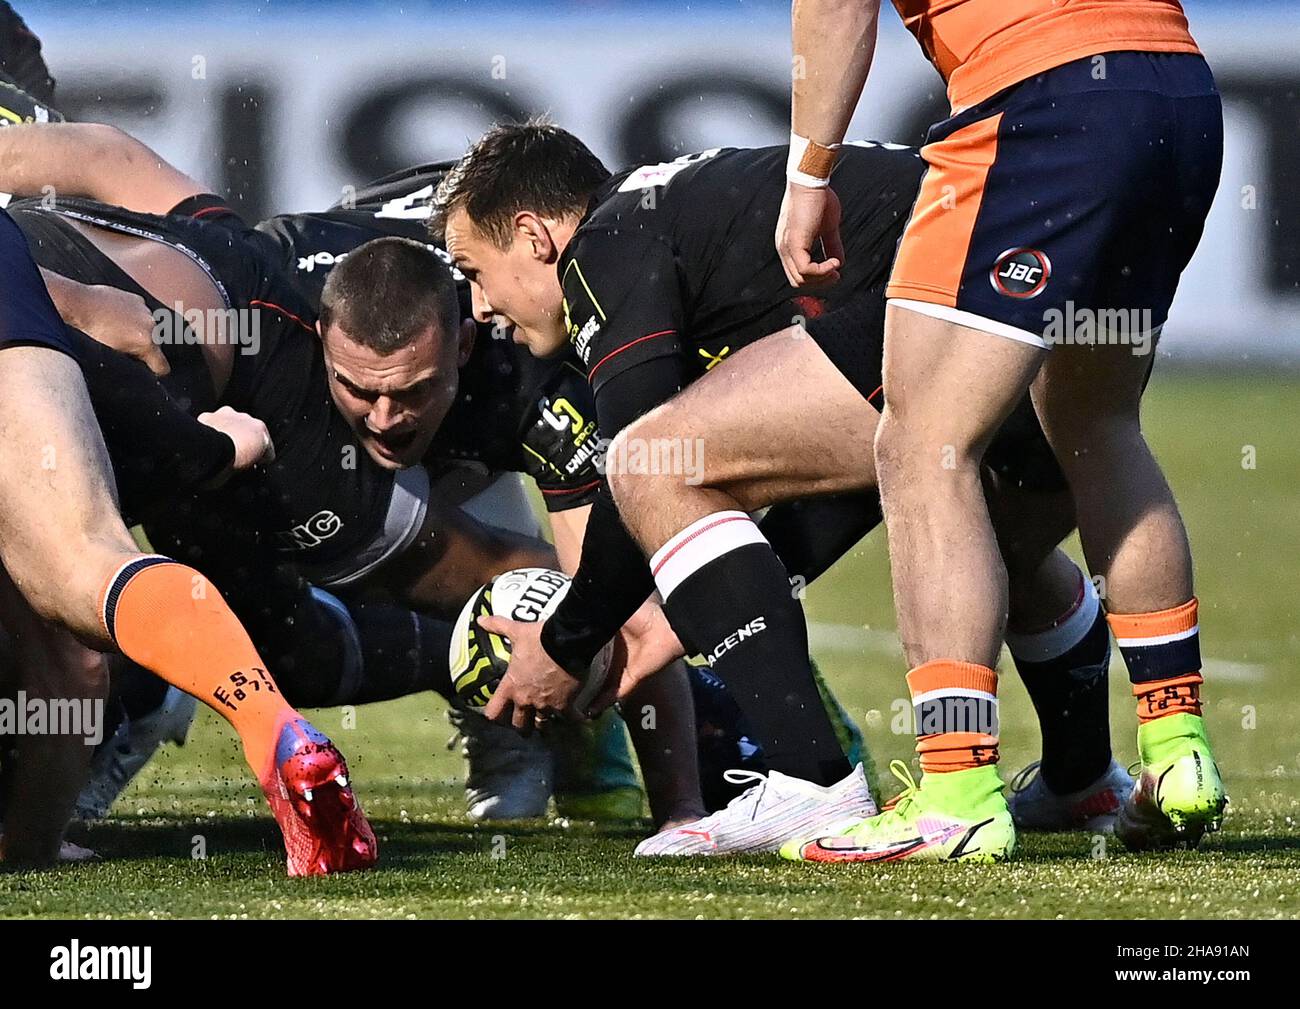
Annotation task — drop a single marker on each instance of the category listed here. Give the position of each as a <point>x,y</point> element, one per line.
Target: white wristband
<point>809,163</point>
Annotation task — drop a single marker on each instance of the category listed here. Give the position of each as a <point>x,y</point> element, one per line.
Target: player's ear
<point>532,231</point>
<point>468,331</point>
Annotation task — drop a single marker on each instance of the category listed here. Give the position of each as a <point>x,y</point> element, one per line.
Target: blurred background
<point>283,103</point>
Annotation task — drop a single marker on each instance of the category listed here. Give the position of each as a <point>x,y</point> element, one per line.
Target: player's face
<point>394,402</point>
<point>515,286</point>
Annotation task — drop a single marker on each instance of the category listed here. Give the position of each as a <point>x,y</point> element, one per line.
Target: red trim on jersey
<point>640,339</point>
<point>570,490</point>
<point>256,302</point>
<point>211,210</point>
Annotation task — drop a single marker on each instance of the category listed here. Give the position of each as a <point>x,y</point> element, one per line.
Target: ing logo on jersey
<point>649,176</point>
<point>562,415</point>
<point>312,533</point>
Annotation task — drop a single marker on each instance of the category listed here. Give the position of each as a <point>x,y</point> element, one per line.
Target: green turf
<point>1244,529</point>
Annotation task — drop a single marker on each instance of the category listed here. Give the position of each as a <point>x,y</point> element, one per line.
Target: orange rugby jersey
<point>983,46</point>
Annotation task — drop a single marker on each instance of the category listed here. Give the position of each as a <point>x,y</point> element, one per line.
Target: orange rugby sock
<point>170,619</point>
<point>955,707</point>
<point>1163,653</point>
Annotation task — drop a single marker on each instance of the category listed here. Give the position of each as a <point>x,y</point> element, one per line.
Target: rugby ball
<point>479,658</point>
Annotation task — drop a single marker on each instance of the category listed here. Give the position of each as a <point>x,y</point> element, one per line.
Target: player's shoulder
<point>401,195</point>
<point>680,182</point>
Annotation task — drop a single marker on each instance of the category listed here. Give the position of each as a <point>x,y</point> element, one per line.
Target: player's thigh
<point>949,386</point>
<point>775,420</point>
<point>60,530</point>
<point>1085,395</point>
<point>1025,221</point>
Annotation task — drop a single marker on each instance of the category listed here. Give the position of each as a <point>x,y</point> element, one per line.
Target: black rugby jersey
<point>513,413</point>
<point>323,500</point>
<point>677,260</point>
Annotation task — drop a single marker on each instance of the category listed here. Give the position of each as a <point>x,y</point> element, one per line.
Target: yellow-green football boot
<point>950,817</point>
<point>1179,795</point>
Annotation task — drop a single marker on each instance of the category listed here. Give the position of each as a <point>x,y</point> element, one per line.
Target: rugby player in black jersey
<point>501,422</point>
<point>654,277</point>
<point>72,561</point>
<point>482,429</point>
<point>26,87</point>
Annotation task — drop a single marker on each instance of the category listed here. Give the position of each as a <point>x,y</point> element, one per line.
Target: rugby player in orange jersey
<point>1069,186</point>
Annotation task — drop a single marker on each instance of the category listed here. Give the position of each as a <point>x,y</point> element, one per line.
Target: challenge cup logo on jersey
<point>582,338</point>
<point>1021,273</point>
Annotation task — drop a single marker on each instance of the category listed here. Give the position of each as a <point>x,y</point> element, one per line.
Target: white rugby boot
<point>1093,808</point>
<point>133,745</point>
<point>507,776</point>
<point>770,812</point>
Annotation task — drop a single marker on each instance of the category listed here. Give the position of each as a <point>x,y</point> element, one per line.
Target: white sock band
<point>702,541</point>
<point>1055,641</point>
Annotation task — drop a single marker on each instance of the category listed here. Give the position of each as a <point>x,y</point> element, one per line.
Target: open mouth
<point>393,445</point>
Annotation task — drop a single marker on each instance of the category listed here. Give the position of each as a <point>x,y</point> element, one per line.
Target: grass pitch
<point>1228,445</point>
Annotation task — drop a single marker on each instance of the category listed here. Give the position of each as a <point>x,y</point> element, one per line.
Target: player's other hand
<point>809,216</point>
<point>534,687</point>
<point>644,646</point>
<point>253,444</point>
<point>121,320</point>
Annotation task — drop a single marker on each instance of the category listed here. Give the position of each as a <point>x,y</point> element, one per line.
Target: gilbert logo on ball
<point>478,658</point>
<point>1021,273</point>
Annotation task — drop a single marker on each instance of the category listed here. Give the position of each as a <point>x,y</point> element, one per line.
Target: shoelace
<point>903,773</point>
<point>1024,777</point>
<point>738,776</point>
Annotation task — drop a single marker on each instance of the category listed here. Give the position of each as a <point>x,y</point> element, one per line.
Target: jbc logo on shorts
<point>1021,273</point>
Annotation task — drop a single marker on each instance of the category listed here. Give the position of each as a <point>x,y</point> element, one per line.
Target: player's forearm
<point>568,529</point>
<point>660,718</point>
<point>833,44</point>
<point>611,583</point>
<point>76,302</point>
<point>54,159</point>
<point>89,160</point>
<point>156,446</point>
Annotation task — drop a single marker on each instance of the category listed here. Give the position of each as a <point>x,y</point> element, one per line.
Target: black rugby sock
<point>1064,669</point>
<point>729,598</point>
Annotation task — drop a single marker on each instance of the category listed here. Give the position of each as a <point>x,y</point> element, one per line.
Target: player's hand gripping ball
<point>479,658</point>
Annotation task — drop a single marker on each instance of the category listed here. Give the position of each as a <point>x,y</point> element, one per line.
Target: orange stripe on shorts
<point>932,254</point>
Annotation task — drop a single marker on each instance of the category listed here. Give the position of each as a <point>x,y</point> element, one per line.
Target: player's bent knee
<point>630,463</point>
<point>66,668</point>
<point>65,587</point>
